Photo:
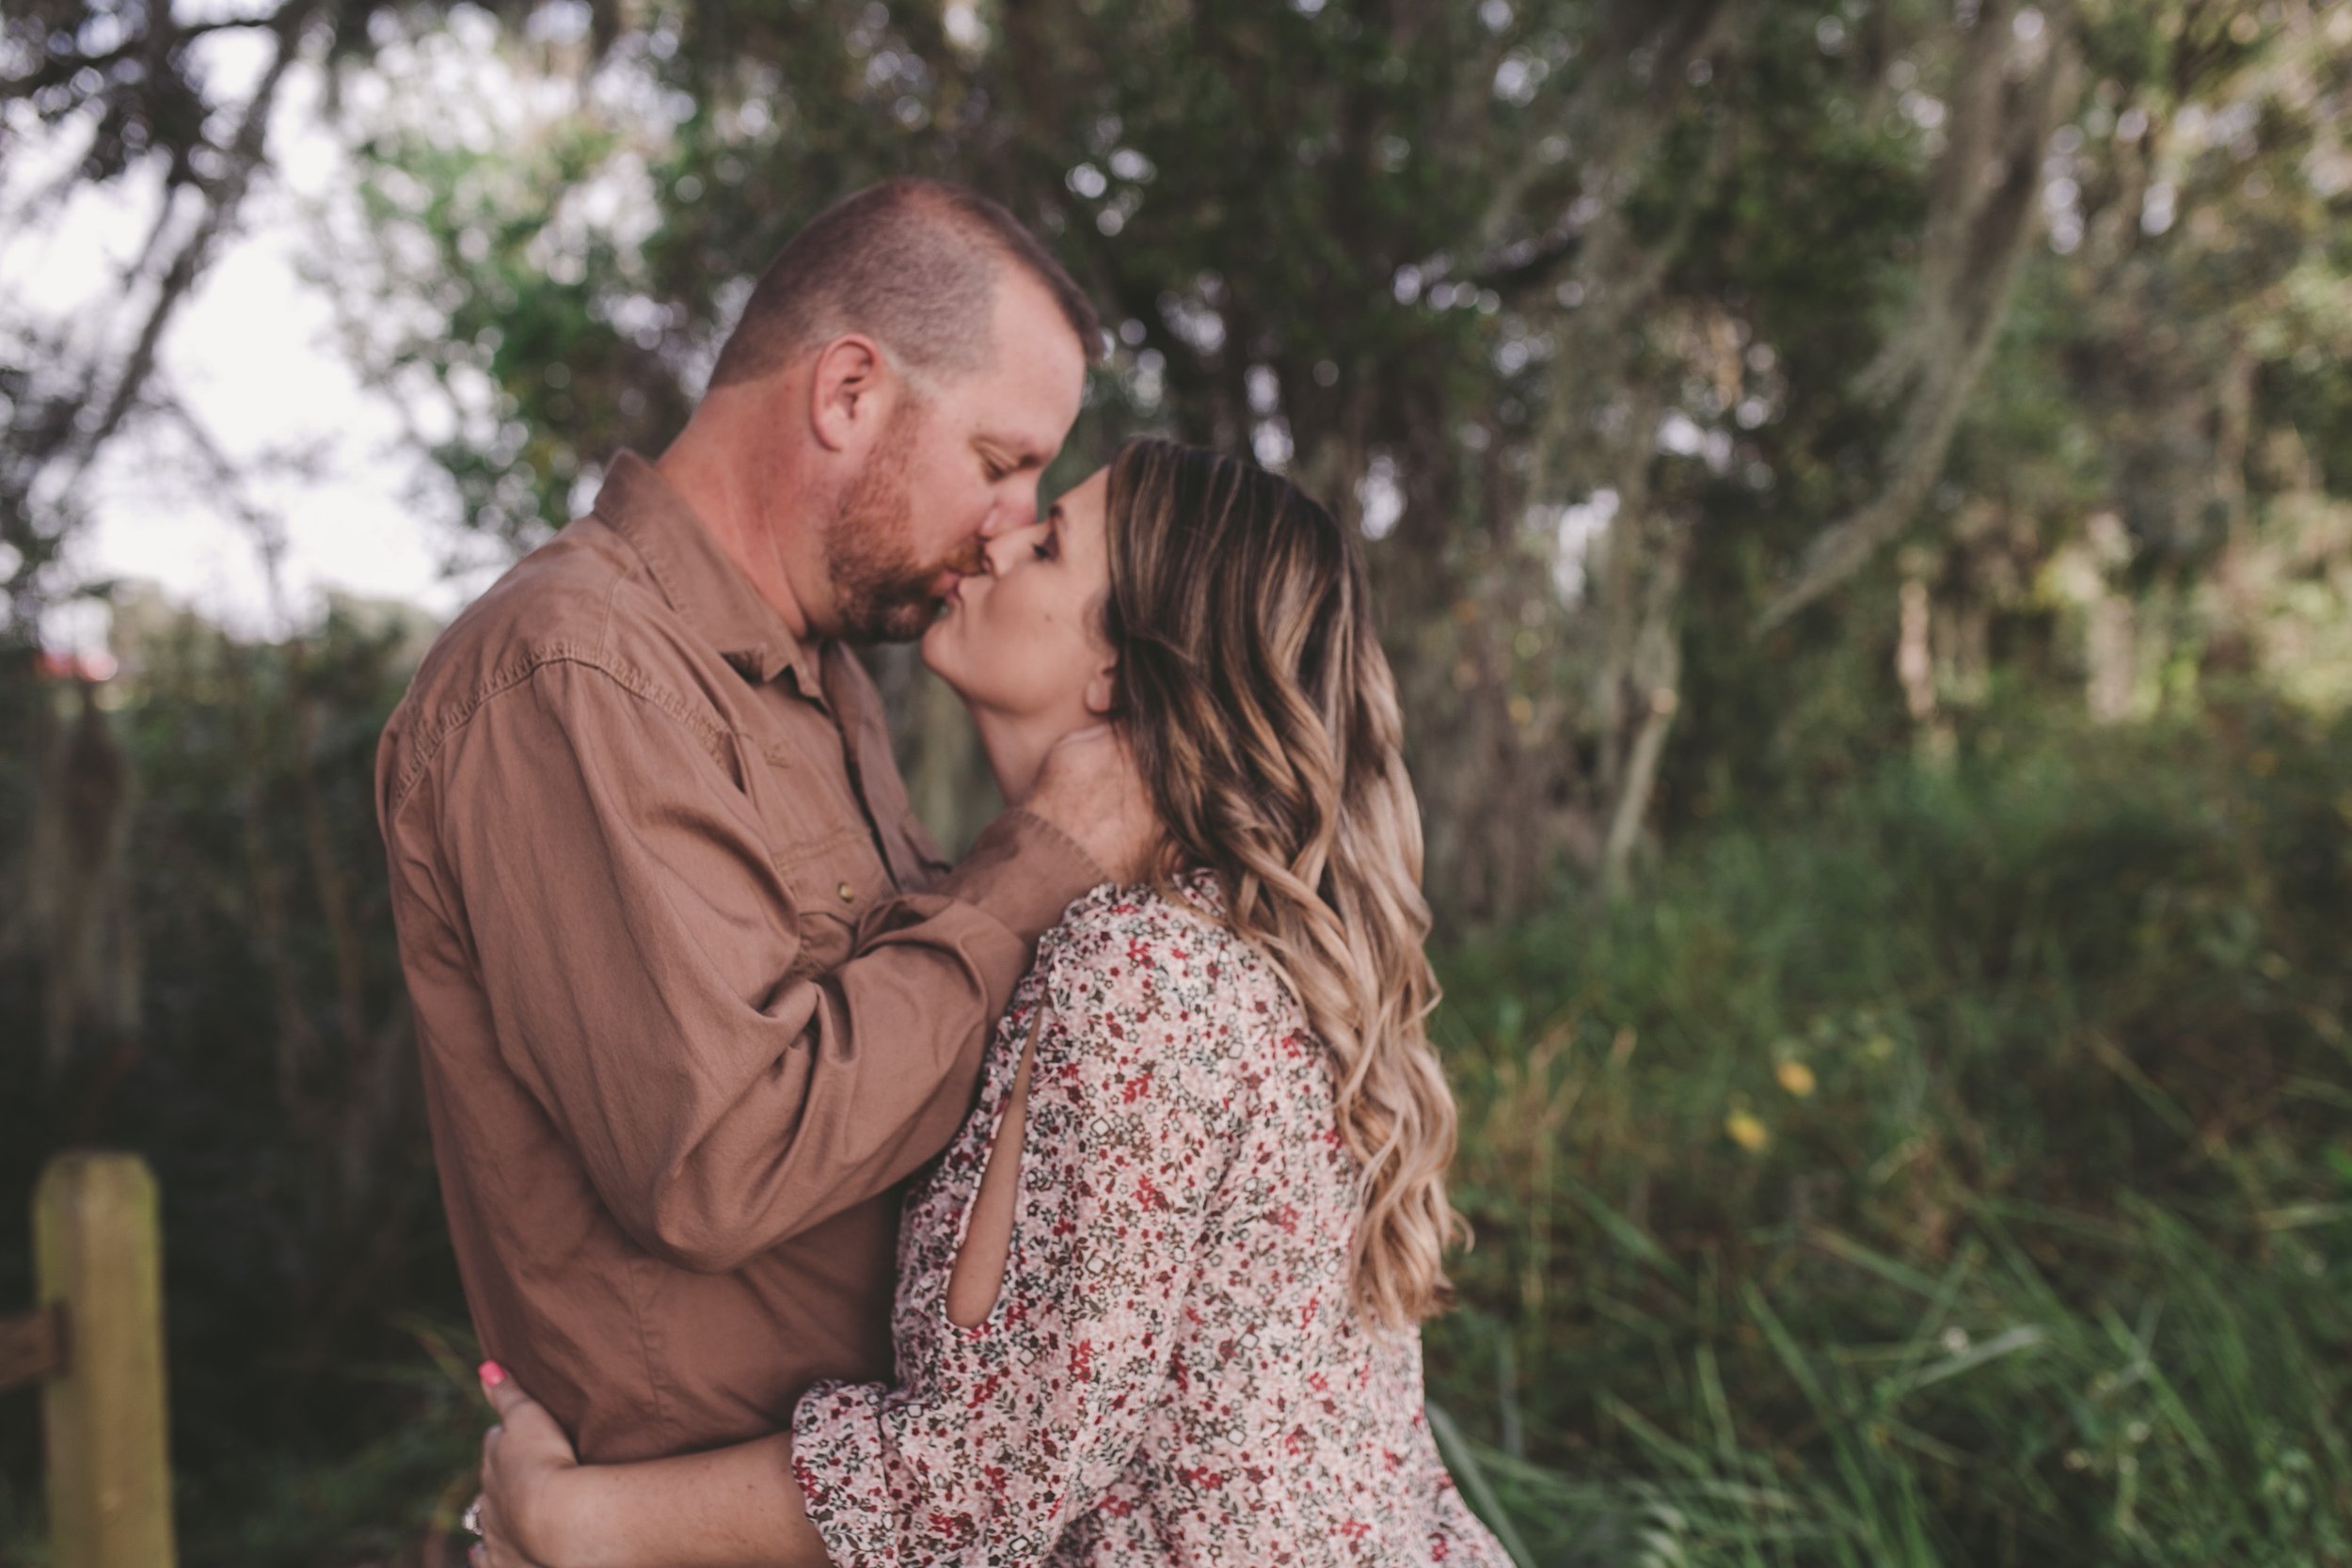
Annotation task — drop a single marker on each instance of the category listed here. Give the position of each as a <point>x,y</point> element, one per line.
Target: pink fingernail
<point>491,1373</point>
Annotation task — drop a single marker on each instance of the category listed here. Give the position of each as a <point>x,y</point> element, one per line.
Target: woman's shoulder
<point>1149,929</point>
<point>1158,956</point>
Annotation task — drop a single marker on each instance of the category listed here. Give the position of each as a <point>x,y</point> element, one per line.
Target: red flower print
<point>1161,1382</point>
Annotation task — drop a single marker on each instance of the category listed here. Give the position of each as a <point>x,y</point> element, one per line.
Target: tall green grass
<point>1961,1176</point>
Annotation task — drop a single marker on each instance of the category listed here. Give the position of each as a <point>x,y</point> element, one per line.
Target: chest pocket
<point>834,881</point>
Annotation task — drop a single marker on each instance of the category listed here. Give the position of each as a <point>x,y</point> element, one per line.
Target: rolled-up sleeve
<point>639,953</point>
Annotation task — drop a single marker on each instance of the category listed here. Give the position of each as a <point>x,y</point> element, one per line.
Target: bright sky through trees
<point>257,355</point>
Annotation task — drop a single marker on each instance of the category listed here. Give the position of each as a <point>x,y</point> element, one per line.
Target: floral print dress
<point>1173,1371</point>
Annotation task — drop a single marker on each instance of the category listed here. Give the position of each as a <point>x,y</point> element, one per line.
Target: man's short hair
<point>912,263</point>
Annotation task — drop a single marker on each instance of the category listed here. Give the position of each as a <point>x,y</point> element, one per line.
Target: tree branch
<point>1617,125</point>
<point>58,70</point>
<point>224,195</point>
<point>1979,236</point>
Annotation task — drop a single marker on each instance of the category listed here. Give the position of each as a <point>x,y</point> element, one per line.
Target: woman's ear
<point>1102,689</point>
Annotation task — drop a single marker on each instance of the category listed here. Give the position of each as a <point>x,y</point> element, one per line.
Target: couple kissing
<point>820,1201</point>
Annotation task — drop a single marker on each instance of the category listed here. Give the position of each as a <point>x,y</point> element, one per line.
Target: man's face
<point>953,470</point>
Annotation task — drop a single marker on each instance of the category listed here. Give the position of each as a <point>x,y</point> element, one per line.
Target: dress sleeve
<point>1010,1430</point>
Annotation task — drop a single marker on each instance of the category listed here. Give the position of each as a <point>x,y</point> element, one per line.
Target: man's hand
<point>1090,790</point>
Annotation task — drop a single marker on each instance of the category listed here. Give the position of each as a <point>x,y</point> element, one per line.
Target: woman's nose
<point>1002,552</point>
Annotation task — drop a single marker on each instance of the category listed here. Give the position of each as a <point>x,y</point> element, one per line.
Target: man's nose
<point>1016,510</point>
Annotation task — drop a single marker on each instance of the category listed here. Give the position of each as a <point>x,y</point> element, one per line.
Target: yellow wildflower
<point>1795,1077</point>
<point>1742,1128</point>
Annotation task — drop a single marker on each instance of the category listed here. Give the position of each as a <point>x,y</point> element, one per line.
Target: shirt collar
<point>698,579</point>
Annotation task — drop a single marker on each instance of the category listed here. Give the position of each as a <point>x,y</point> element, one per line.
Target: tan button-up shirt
<point>694,992</point>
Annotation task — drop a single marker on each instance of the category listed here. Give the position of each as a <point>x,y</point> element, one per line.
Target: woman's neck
<point>1016,752</point>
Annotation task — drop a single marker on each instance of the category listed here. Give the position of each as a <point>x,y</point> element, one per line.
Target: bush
<point>1961,1176</point>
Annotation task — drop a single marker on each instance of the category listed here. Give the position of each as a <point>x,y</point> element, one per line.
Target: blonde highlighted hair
<point>1259,706</point>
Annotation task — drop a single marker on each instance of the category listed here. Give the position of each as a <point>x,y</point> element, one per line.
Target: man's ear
<point>849,373</point>
<point>1102,689</point>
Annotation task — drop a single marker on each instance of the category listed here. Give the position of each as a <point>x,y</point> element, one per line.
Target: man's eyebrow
<point>1026,455</point>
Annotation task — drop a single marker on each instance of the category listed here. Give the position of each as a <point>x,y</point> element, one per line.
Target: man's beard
<point>880,593</point>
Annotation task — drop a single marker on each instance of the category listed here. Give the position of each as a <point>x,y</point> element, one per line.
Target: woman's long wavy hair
<point>1258,704</point>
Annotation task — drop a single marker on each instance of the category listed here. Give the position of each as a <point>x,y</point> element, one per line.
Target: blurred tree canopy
<point>1638,335</point>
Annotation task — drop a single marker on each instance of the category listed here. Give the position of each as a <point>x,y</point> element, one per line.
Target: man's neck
<point>719,491</point>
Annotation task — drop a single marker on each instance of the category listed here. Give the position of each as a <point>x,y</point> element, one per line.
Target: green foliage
<point>1962,1177</point>
<point>374,1496</point>
<point>271,1083</point>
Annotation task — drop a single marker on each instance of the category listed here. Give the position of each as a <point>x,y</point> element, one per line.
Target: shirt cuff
<point>847,1484</point>
<point>1025,872</point>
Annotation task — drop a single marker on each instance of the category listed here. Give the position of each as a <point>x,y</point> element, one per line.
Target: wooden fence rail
<point>95,1345</point>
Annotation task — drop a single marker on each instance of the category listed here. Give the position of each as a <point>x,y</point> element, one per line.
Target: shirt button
<point>848,894</point>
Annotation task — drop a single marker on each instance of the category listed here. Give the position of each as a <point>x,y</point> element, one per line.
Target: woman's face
<point>1023,640</point>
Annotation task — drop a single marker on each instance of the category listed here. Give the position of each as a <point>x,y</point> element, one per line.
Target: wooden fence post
<point>98,1262</point>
